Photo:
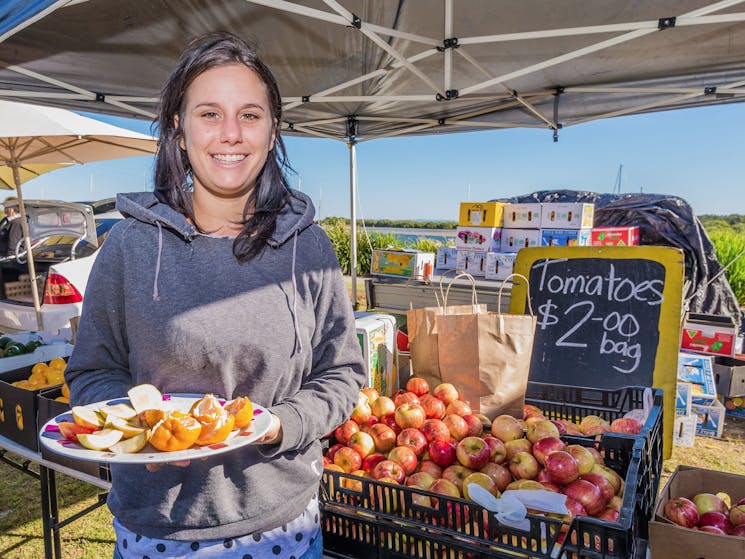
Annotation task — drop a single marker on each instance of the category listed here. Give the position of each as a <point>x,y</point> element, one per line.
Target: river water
<point>410,235</point>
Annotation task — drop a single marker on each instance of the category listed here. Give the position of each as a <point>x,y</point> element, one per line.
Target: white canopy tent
<point>357,70</point>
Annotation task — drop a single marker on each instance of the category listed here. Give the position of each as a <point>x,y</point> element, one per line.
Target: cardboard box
<point>571,215</point>
<point>478,239</point>
<point>471,262</point>
<point>615,236</point>
<point>670,541</point>
<point>515,239</point>
<point>684,430</point>
<point>446,258</point>
<point>522,216</point>
<point>402,263</point>
<point>734,406</point>
<point>709,333</point>
<point>481,214</point>
<point>565,237</point>
<point>710,413</point>
<point>499,265</point>
<point>683,398</point>
<point>376,333</point>
<point>729,375</point>
<point>699,371</point>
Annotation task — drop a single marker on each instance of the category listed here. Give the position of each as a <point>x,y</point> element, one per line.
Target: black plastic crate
<point>575,402</point>
<point>365,518</point>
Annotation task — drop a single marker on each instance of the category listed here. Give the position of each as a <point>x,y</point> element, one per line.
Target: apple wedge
<point>87,417</point>
<point>124,411</point>
<point>145,397</point>
<point>128,429</point>
<point>132,445</point>
<point>100,440</point>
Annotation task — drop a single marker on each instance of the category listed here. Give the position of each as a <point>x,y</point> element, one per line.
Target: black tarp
<point>663,221</point>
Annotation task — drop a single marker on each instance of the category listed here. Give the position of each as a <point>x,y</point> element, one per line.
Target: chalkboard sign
<point>607,317</point>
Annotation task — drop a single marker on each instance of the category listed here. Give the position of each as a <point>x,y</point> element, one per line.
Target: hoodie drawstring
<point>298,343</point>
<point>156,296</point>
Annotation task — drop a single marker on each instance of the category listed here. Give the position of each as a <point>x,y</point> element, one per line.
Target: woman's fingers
<point>177,463</point>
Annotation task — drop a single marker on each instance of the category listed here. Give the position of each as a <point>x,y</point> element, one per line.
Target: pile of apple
<point>434,442</point>
<point>709,513</point>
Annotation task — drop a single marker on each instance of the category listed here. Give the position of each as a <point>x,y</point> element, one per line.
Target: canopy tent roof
<point>365,69</point>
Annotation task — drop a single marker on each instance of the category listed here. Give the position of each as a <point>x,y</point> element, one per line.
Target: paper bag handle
<point>426,282</point>
<point>474,297</point>
<point>527,293</point>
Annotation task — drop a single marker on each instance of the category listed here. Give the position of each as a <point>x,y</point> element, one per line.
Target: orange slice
<point>216,430</point>
<point>242,410</point>
<point>175,432</point>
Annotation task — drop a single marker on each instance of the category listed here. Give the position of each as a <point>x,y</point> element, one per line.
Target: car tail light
<point>59,291</point>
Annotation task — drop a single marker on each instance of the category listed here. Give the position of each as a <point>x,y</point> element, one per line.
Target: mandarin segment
<point>242,410</point>
<point>175,433</point>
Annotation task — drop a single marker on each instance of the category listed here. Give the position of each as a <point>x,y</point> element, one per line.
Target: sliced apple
<point>87,417</point>
<point>71,430</point>
<point>145,397</point>
<point>128,429</point>
<point>100,440</point>
<point>125,411</point>
<point>132,445</point>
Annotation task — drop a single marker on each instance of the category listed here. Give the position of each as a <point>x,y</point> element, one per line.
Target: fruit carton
<point>376,333</point>
<point>565,237</point>
<point>474,263</point>
<point>49,408</point>
<point>683,398</point>
<point>481,214</point>
<point>499,265</point>
<point>478,239</point>
<point>402,263</point>
<point>729,374</point>
<point>671,541</point>
<point>709,333</point>
<point>18,408</point>
<point>734,406</point>
<point>515,239</point>
<point>446,258</point>
<point>699,371</point>
<point>523,216</point>
<point>710,413</point>
<point>615,236</point>
<point>570,215</point>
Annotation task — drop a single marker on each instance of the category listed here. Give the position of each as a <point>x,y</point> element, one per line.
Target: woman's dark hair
<point>172,167</point>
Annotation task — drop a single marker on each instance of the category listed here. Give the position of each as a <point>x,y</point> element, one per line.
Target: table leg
<point>45,511</point>
<point>54,514</point>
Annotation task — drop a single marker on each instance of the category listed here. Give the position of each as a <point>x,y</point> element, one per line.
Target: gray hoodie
<point>168,306</point>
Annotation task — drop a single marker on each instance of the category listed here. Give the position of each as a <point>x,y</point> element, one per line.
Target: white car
<point>65,239</point>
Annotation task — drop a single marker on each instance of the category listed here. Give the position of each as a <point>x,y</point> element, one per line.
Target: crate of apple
<point>708,512</point>
<point>430,444</point>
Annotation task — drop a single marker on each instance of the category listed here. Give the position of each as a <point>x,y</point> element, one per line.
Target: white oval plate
<point>52,439</point>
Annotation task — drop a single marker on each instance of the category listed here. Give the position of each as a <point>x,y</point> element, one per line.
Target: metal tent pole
<point>353,217</point>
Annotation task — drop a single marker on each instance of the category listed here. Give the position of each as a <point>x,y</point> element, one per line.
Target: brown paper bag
<point>422,330</point>
<point>487,357</point>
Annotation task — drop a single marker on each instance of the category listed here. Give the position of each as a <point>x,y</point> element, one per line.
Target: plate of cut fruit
<point>148,427</point>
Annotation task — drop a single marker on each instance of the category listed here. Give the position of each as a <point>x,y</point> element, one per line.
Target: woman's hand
<point>274,434</point>
<point>177,463</point>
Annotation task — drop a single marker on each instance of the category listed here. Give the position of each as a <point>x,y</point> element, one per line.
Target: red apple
<point>530,410</point>
<point>560,427</point>
<point>575,509</point>
<point>410,415</point>
<point>475,427</point>
<point>514,446</point>
<point>71,430</point>
<point>737,514</point>
<point>527,484</point>
<point>388,469</point>
<point>445,392</point>
<point>498,451</point>
<point>500,474</point>
<point>541,429</point>
<point>481,479</point>
<point>370,393</point>
<point>739,531</point>
<point>369,461</point>
<point>390,420</point>
<point>333,450</point>
<point>626,425</point>
<point>456,474</point>
<point>706,502</point>
<point>433,407</point>
<point>361,411</point>
<point>402,397</point>
<point>414,439</point>
<point>348,459</point>
<point>608,514</point>
<point>431,468</point>
<point>382,405</point>
<point>616,503</point>
<point>566,427</point>
<point>417,385</point>
<point>545,446</point>
<point>445,487</point>
<point>602,483</point>
<point>585,459</point>
<point>715,518</point>
<point>712,530</point>
<point>369,423</point>
<point>355,484</point>
<point>596,455</point>
<point>384,437</point>
<point>472,452</point>
<point>562,468</point>
<point>442,452</point>
<point>422,480</point>
<point>587,494</point>
<point>456,425</point>
<point>533,419</point>
<point>506,428</point>
<point>406,457</point>
<point>524,466</point>
<point>615,480</point>
<point>362,443</point>
<point>593,425</point>
<point>434,429</point>
<point>551,486</point>
<point>458,407</point>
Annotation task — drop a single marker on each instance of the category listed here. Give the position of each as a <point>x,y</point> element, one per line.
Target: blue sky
<point>697,154</point>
